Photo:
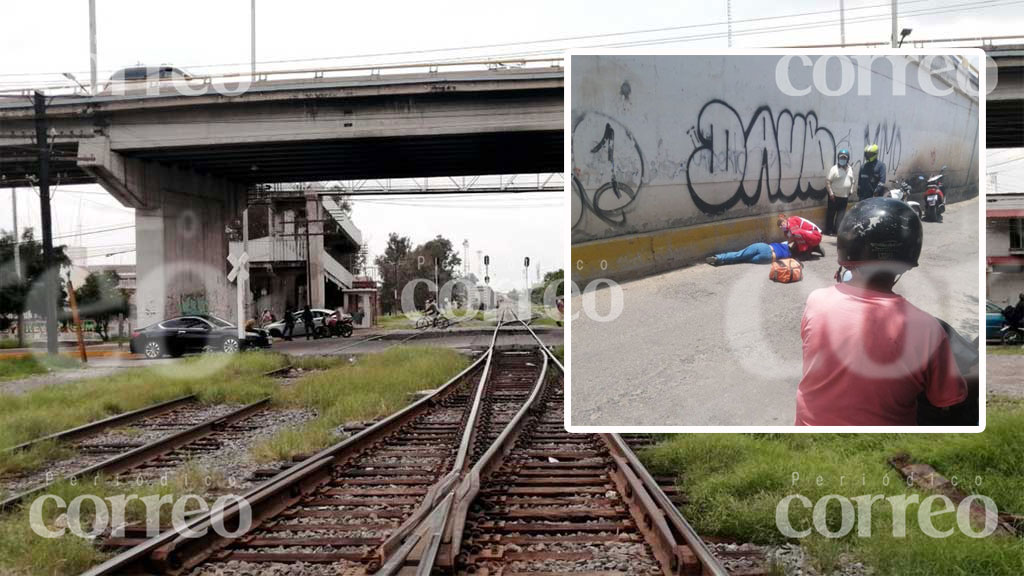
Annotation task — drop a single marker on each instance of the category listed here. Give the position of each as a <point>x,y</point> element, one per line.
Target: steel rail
<point>441,490</point>
<point>710,566</point>
<point>142,454</point>
<point>540,343</point>
<point>169,550</point>
<point>673,540</point>
<point>425,546</point>
<point>94,427</point>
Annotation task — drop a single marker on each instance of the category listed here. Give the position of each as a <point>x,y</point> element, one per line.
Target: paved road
<point>1004,375</point>
<point>721,346</point>
<point>464,340</point>
<point>361,344</point>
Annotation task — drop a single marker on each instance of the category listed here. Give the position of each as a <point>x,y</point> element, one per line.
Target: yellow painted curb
<point>636,255</point>
<point>71,354</point>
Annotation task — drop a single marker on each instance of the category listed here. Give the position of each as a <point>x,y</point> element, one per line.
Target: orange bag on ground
<point>786,270</point>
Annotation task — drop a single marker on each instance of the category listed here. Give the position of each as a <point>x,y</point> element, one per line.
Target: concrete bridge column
<point>315,218</point>
<point>180,240</point>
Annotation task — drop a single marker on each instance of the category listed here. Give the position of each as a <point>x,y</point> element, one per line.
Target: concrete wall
<point>693,141</point>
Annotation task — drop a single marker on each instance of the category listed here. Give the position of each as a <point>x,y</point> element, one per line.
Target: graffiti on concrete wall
<point>784,155</point>
<point>608,169</point>
<point>780,156</point>
<point>193,304</point>
<point>890,144</point>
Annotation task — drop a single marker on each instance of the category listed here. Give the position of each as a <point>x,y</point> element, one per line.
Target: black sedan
<point>177,336</point>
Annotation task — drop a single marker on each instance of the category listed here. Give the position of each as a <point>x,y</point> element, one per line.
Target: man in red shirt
<point>868,354</point>
<point>804,236</point>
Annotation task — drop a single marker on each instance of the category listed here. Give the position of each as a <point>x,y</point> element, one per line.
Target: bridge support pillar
<point>315,219</point>
<point>181,243</point>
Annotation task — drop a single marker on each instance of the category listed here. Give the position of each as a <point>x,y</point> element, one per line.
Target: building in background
<point>1004,234</point>
<point>287,224</point>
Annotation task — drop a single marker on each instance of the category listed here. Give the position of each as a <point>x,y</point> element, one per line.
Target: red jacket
<point>804,234</point>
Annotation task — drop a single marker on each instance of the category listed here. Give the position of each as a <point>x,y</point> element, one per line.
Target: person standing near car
<point>307,322</point>
<point>871,178</point>
<point>289,323</point>
<point>839,183</point>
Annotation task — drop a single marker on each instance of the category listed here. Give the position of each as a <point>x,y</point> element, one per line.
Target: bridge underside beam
<point>362,158</point>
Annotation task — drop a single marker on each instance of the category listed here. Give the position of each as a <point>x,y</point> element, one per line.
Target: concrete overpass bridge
<point>1004,122</point>
<point>183,154</point>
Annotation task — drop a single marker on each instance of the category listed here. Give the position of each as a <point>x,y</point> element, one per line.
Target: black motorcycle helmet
<point>880,230</point>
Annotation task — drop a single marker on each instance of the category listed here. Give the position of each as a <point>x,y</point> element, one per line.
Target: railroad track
<point>171,432</point>
<point>183,438</point>
<point>480,476</point>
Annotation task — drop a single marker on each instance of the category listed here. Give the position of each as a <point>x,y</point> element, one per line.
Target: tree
<point>99,299</point>
<point>401,264</point>
<point>556,277</point>
<point>389,265</point>
<point>26,295</point>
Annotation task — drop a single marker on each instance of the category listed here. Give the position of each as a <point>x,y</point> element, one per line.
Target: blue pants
<point>759,253</point>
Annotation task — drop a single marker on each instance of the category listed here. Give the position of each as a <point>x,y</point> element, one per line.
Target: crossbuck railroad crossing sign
<point>240,276</point>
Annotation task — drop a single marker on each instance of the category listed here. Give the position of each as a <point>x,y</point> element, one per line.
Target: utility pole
<point>895,38</point>
<point>17,261</point>
<point>437,289</point>
<point>92,46</point>
<point>49,274</point>
<point>252,38</point>
<point>728,17</point>
<point>245,250</point>
<point>842,23</point>
<point>17,248</point>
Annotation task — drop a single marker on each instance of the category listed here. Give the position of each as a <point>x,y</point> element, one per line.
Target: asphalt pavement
<point>716,346</point>
<point>1004,375</point>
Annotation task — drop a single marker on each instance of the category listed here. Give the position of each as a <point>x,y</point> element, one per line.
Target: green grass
<point>734,483</point>
<point>1004,350</point>
<point>25,366</point>
<point>214,377</point>
<point>376,385</point>
<point>8,343</point>
<point>396,322</point>
<point>22,551</point>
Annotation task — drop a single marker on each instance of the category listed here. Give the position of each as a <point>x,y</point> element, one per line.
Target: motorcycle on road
<point>935,197</point>
<point>901,191</point>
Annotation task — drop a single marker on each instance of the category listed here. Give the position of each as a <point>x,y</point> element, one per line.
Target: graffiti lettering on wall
<point>608,169</point>
<point>782,155</point>
<point>192,304</point>
<point>890,144</point>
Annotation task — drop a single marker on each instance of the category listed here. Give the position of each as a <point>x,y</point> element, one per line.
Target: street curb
<point>71,354</point>
<point>636,255</point>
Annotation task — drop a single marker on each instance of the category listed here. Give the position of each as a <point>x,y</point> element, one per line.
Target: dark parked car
<point>177,336</point>
<point>993,321</point>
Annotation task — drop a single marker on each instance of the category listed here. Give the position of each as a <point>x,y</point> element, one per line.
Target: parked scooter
<point>935,197</point>
<point>901,192</point>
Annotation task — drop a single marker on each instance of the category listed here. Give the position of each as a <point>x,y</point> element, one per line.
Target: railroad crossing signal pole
<point>49,274</point>
<point>526,279</point>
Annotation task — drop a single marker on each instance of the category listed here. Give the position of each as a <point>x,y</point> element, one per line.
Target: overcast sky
<point>204,36</point>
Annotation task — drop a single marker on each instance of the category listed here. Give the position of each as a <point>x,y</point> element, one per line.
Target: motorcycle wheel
<point>1012,338</point>
<point>930,213</point>
<point>346,331</point>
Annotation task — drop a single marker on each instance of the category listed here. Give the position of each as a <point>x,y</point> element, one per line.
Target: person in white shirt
<point>839,183</point>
